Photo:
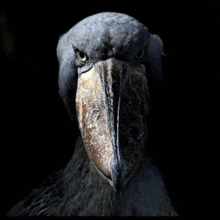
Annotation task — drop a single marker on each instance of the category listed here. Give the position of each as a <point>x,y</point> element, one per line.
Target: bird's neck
<point>87,193</point>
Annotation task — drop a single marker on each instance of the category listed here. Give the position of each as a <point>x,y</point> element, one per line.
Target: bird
<point>106,63</point>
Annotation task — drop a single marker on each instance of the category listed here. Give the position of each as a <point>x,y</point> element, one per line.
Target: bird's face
<point>109,52</point>
<point>111,104</point>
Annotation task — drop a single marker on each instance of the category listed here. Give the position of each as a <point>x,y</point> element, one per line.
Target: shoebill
<point>106,62</point>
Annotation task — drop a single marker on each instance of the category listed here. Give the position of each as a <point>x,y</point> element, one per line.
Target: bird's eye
<point>82,56</point>
<point>139,54</point>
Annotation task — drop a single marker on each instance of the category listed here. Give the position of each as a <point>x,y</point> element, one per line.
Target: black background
<point>37,136</point>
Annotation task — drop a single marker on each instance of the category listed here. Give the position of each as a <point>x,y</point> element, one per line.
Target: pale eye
<point>82,56</point>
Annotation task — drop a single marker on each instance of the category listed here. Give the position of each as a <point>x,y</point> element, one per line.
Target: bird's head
<point>106,62</point>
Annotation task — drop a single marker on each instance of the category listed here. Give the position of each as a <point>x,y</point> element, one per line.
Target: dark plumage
<point>112,42</point>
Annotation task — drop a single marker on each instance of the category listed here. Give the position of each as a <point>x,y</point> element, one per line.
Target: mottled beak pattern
<point>112,104</point>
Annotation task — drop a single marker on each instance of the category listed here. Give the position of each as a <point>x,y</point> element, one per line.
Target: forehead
<point>118,32</point>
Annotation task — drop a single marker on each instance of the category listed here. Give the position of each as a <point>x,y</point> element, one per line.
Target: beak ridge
<point>102,103</point>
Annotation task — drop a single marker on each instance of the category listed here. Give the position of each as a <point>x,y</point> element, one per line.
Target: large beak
<point>111,104</point>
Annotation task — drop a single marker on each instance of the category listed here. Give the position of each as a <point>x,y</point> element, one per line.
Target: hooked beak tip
<point>116,184</point>
<point>115,181</point>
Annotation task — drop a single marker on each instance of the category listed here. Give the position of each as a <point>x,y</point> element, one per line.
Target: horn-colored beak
<point>111,104</point>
